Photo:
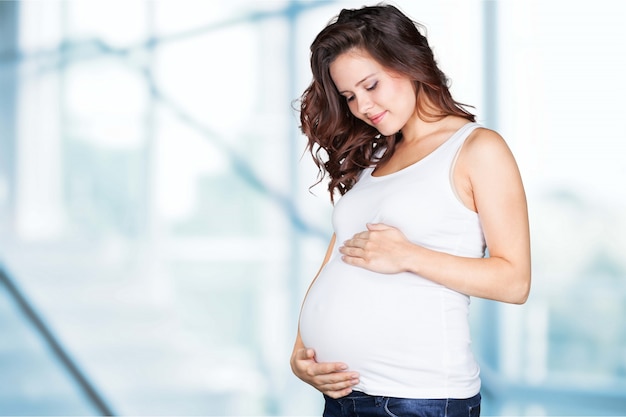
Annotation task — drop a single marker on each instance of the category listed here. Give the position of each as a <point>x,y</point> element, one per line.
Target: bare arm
<point>491,184</point>
<point>329,378</point>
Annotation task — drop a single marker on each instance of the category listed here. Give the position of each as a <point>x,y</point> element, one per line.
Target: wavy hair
<point>342,145</point>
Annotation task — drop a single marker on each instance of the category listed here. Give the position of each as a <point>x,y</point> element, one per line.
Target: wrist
<point>411,259</point>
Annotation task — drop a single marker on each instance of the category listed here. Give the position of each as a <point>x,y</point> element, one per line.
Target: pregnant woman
<point>424,192</point>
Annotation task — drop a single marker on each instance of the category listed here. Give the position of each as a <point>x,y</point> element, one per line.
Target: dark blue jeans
<point>358,404</point>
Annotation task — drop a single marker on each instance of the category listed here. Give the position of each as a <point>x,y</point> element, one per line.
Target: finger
<point>305,354</point>
<point>339,380</point>
<point>338,394</point>
<point>338,390</point>
<point>330,368</point>
<point>309,353</point>
<point>377,226</point>
<point>354,261</point>
<point>356,242</point>
<point>362,235</point>
<point>350,242</point>
<point>351,251</point>
<point>333,382</point>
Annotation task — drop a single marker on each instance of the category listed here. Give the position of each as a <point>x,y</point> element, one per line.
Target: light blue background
<point>155,208</point>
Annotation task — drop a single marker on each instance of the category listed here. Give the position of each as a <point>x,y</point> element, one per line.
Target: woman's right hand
<point>330,378</point>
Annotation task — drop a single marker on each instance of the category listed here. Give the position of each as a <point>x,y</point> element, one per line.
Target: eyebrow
<point>359,83</point>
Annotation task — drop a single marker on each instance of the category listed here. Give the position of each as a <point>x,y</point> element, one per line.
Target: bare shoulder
<point>486,165</point>
<point>486,146</point>
<point>482,138</point>
<point>485,168</point>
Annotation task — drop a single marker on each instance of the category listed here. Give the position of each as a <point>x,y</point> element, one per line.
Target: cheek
<point>354,110</point>
<point>411,96</point>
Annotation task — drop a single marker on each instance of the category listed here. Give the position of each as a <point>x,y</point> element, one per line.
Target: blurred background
<point>157,232</point>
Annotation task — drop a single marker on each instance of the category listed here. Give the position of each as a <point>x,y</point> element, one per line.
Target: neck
<point>417,128</point>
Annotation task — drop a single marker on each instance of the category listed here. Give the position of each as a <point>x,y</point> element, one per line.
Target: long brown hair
<point>342,145</point>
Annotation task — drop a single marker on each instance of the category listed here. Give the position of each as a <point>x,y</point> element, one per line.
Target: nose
<point>364,104</point>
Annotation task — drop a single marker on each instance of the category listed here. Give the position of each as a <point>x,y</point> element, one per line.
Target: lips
<point>375,119</point>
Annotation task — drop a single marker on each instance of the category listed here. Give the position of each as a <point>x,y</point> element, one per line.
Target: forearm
<point>494,278</point>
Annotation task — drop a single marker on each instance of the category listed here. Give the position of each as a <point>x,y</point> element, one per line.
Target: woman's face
<point>382,99</point>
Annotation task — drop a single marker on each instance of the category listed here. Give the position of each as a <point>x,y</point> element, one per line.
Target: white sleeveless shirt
<point>405,335</point>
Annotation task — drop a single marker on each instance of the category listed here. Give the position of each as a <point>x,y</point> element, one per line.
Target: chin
<point>387,132</point>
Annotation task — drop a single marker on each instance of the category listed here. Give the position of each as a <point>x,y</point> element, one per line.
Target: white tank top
<point>406,336</point>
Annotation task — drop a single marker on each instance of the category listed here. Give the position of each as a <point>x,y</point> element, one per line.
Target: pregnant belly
<point>358,317</point>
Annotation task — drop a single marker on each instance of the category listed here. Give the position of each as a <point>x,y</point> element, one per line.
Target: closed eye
<point>368,88</point>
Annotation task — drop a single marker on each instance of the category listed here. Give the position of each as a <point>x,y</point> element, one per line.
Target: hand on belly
<point>330,378</point>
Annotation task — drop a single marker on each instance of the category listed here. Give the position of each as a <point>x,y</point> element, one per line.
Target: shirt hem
<point>430,394</point>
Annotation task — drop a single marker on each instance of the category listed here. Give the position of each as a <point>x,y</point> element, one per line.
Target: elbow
<point>520,298</point>
<point>520,290</point>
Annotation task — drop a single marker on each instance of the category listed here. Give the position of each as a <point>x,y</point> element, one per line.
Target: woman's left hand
<point>380,248</point>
